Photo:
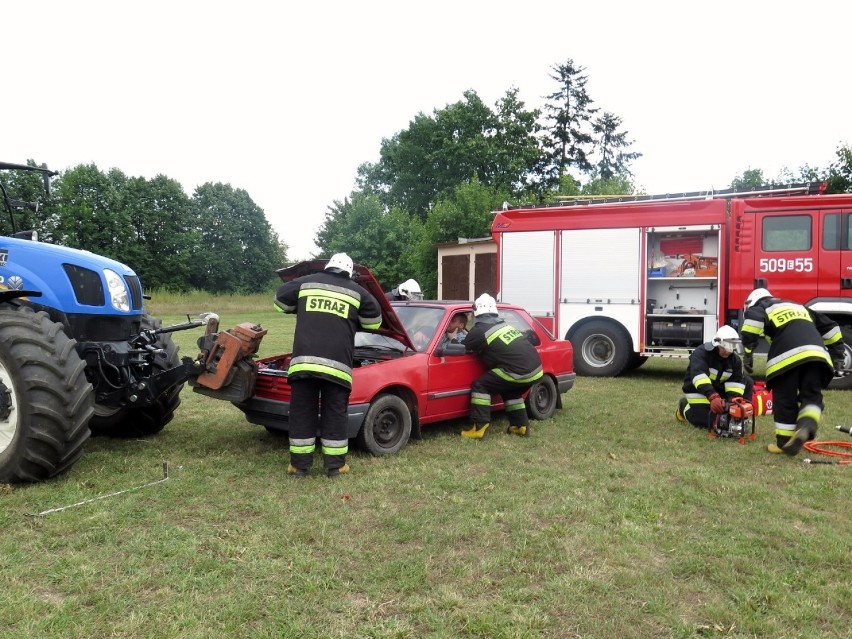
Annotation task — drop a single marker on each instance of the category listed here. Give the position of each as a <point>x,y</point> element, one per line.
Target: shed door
<point>455,273</point>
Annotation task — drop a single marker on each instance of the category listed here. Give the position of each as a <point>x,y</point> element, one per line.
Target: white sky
<point>286,100</point>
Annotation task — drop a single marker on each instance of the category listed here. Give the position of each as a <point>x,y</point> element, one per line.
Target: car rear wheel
<point>387,426</point>
<point>541,402</point>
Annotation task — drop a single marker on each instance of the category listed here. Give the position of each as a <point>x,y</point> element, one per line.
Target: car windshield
<point>420,323</point>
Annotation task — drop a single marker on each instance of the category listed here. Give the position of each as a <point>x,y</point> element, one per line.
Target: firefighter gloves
<point>717,404</point>
<point>748,363</point>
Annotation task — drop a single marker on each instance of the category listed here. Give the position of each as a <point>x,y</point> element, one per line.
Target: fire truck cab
<point>655,276</point>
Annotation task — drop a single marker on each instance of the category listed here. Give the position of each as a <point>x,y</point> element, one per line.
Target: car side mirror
<point>450,350</point>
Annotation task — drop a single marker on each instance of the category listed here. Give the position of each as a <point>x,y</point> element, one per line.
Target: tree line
<point>436,181</point>
<point>217,240</point>
<point>441,178</point>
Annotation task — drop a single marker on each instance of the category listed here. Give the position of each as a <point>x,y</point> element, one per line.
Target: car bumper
<point>275,414</point>
<point>565,382</point>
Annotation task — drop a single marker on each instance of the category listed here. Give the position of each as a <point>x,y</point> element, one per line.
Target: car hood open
<point>391,325</point>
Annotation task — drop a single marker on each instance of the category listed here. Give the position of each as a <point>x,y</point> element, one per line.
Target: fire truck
<point>630,278</point>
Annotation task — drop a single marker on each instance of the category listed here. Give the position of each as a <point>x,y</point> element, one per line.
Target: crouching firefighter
<point>805,350</point>
<point>513,366</point>
<point>715,374</point>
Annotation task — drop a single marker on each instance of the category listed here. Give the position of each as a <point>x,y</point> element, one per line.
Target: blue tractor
<point>79,354</point>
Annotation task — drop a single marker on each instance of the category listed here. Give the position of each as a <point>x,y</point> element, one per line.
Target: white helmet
<point>341,262</point>
<point>410,289</point>
<point>484,305</point>
<point>727,338</point>
<point>755,296</point>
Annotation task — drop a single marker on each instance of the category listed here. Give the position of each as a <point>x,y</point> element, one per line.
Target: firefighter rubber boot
<point>296,473</point>
<point>331,473</point>
<point>520,431</point>
<point>679,412</point>
<point>806,429</point>
<point>475,432</point>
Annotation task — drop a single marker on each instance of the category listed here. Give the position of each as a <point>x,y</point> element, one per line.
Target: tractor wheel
<point>387,426</point>
<point>844,383</point>
<point>601,349</point>
<point>45,400</point>
<point>131,421</point>
<point>543,398</point>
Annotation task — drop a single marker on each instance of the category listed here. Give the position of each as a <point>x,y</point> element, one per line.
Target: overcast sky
<point>286,100</point>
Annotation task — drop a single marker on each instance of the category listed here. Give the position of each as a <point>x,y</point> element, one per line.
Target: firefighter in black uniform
<point>715,373</point>
<point>330,307</point>
<point>805,350</point>
<point>513,366</point>
<point>408,290</point>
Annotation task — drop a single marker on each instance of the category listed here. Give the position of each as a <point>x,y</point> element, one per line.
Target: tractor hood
<point>391,326</point>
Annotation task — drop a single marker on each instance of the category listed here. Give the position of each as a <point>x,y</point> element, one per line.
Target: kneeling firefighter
<point>715,373</point>
<point>513,366</point>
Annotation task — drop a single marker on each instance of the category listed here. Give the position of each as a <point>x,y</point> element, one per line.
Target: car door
<point>450,376</point>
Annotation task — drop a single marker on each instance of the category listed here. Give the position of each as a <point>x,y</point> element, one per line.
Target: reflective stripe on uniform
<point>480,399</point>
<point>697,398</point>
<point>752,326</point>
<point>320,365</point>
<point>810,410</point>
<point>785,430</point>
<point>734,387</point>
<point>335,446</point>
<point>370,323</point>
<point>304,446</point>
<point>832,337</point>
<point>518,379</point>
<point>795,355</point>
<point>701,380</point>
<point>515,404</point>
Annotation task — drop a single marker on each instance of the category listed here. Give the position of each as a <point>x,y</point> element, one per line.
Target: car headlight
<point>118,296</point>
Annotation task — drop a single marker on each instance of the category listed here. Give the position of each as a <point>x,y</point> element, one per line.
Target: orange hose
<point>823,448</point>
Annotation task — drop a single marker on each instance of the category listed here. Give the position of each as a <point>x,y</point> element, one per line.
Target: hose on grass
<point>828,449</point>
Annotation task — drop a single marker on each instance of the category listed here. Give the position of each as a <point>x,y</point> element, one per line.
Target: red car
<point>397,385</point>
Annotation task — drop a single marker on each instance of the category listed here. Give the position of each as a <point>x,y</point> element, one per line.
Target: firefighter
<point>513,366</point>
<point>408,290</point>
<point>805,350</point>
<point>329,308</point>
<point>715,373</point>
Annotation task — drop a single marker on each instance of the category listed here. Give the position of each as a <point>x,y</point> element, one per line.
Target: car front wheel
<point>387,426</point>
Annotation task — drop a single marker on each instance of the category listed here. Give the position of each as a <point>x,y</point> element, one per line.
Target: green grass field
<point>612,520</point>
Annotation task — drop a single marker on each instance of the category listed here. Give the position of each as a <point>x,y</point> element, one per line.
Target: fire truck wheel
<point>844,383</point>
<point>601,349</point>
<point>636,360</point>
<point>387,426</point>
<point>542,400</point>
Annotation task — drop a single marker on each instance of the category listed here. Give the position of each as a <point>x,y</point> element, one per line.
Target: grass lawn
<point>612,520</point>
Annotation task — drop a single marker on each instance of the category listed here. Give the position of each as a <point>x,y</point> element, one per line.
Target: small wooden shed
<point>467,268</point>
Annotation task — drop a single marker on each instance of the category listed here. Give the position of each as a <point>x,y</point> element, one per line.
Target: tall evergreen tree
<point>612,147</point>
<point>569,112</point>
